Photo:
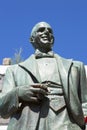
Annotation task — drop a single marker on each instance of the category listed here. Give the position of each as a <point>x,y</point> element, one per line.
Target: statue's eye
<point>41,29</point>
<point>50,30</point>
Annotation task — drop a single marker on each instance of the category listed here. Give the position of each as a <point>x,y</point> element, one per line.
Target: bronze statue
<point>46,91</point>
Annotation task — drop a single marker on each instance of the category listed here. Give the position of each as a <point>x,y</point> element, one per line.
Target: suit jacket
<point>26,116</point>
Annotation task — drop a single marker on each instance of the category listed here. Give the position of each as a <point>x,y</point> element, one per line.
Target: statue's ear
<point>31,39</point>
<point>52,40</point>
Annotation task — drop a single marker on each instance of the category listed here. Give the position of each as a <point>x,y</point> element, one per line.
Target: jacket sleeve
<point>9,101</point>
<point>83,84</point>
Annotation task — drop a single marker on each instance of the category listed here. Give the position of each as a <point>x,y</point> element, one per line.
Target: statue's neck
<point>44,50</point>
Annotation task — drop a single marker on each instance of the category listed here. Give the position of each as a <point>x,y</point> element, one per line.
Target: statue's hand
<point>33,93</point>
<point>26,94</point>
<point>40,90</point>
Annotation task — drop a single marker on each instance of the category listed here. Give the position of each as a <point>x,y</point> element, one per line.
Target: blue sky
<point>68,19</point>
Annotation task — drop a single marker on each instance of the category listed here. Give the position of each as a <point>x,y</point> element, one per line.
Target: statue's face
<point>43,36</point>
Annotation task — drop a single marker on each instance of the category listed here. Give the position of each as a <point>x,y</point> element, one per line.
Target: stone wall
<point>3,122</point>
<point>6,63</point>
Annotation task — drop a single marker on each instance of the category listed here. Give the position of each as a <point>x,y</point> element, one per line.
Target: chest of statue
<point>48,70</point>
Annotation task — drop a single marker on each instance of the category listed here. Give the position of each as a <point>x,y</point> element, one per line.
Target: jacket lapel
<point>71,97</point>
<point>64,66</point>
<point>31,66</point>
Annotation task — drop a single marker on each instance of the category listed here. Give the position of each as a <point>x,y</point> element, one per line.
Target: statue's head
<point>42,36</point>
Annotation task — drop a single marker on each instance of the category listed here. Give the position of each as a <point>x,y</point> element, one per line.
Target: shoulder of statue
<point>62,58</point>
<point>78,63</point>
<point>28,60</point>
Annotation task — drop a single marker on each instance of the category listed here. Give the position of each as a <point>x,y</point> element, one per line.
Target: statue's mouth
<point>45,37</point>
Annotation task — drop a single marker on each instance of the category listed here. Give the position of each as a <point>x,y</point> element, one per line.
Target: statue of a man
<point>46,91</point>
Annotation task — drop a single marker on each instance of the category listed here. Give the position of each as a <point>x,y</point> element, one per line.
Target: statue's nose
<point>46,30</point>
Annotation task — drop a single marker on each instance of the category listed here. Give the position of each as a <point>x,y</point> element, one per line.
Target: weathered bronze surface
<point>46,91</point>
